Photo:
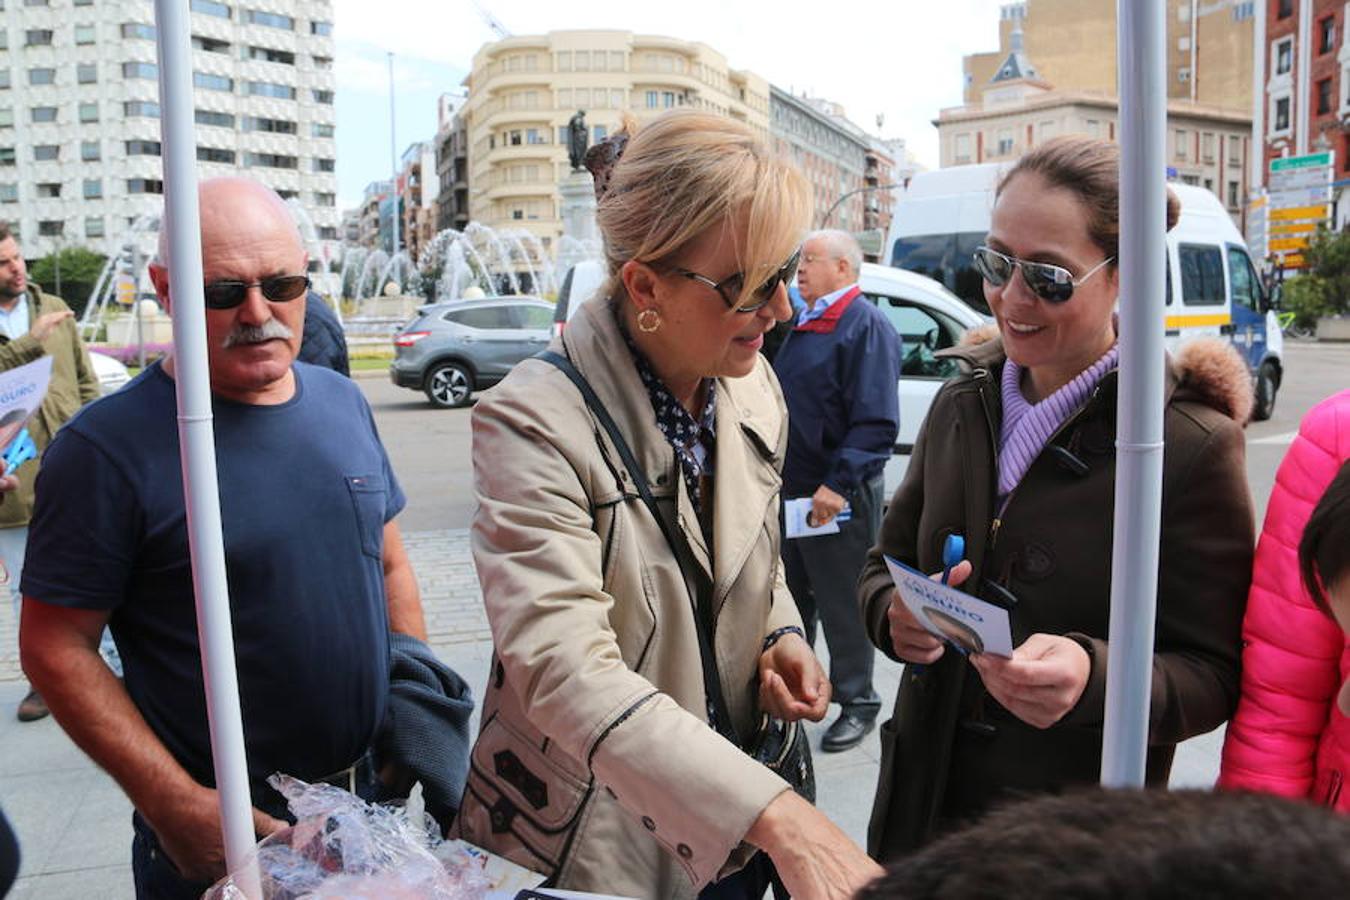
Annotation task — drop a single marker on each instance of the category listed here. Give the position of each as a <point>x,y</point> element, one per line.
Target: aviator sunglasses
<point>229,294</point>
<point>730,287</point>
<point>1053,284</point>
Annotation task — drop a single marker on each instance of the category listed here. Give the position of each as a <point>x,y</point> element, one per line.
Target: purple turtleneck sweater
<point>1028,426</point>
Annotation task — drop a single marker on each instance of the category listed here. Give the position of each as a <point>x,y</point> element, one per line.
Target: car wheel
<point>449,385</point>
<point>1267,383</point>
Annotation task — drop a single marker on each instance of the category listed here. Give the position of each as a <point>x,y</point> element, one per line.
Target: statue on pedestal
<point>577,140</point>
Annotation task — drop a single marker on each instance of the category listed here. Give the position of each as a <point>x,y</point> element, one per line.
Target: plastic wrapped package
<point>341,846</point>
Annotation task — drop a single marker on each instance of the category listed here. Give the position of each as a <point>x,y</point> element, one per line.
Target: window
<point>921,328</point>
<point>1324,96</point>
<point>47,153</point>
<point>140,109</point>
<point>211,82</point>
<point>210,45</point>
<point>93,226</point>
<point>599,132</point>
<point>1207,147</point>
<point>487,318</point>
<point>49,190</point>
<point>77,3</point>
<point>268,89</point>
<point>325,97</point>
<point>42,76</point>
<point>1184,74</point>
<point>4,39</point>
<point>1284,56</point>
<point>288,195</point>
<point>217,119</point>
<point>6,117</point>
<point>4,79</point>
<point>38,37</point>
<point>1284,9</point>
<point>1233,195</point>
<point>1234,150</point>
<point>961,148</point>
<point>89,112</point>
<point>51,227</point>
<point>7,156</point>
<point>1326,35</point>
<point>140,70</point>
<point>328,233</point>
<point>322,198</point>
<point>9,193</point>
<point>93,188</point>
<point>210,8</point>
<point>271,160</point>
<point>322,29</point>
<point>668,99</point>
<point>1282,114</point>
<point>323,62</point>
<point>138,30</point>
<point>85,34</point>
<point>86,73</point>
<point>535,318</point>
<point>533,136</point>
<point>1180,140</point>
<point>271,126</point>
<point>324,165</point>
<point>271,20</point>
<point>322,130</point>
<point>43,114</point>
<point>215,155</point>
<point>1246,287</point>
<point>267,54</point>
<point>143,148</point>
<point>1184,43</point>
<point>36,3</point>
<point>581,59</point>
<point>145,186</point>
<point>1201,275</point>
<point>564,61</point>
<point>653,99</point>
<point>91,151</point>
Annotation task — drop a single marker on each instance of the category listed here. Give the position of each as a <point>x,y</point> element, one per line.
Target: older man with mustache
<point>317,571</point>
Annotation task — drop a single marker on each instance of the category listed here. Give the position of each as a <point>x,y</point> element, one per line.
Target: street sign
<point>1293,213</point>
<point>1294,261</point>
<point>1289,243</point>
<point>1311,160</point>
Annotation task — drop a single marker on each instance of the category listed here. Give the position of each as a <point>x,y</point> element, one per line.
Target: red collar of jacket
<point>830,318</point>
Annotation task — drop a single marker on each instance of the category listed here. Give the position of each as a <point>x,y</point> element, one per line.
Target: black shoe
<point>846,732</point>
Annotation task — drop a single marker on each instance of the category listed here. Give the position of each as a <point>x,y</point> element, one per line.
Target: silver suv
<point>452,349</point>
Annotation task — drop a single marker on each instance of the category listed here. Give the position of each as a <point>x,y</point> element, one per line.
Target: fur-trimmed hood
<point>1208,370</point>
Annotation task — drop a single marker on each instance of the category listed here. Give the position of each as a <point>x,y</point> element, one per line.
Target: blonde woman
<point>597,762</point>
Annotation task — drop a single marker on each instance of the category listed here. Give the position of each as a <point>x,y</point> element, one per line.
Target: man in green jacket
<point>34,324</point>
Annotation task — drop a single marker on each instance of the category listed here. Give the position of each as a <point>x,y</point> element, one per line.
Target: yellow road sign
<point>1298,212</point>
<point>1294,261</point>
<point>1288,243</point>
<point>1294,228</point>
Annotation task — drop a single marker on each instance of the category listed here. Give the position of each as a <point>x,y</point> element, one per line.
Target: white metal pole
<point>1139,428</point>
<point>196,440</point>
<point>393,162</point>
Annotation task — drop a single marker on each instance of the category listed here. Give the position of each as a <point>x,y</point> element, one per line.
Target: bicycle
<point>1292,327</point>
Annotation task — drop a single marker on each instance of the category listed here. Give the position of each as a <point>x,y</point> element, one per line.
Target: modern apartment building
<point>522,91</point>
<point>452,163</point>
<point>830,151</point>
<point>417,187</point>
<point>80,119</point>
<point>1209,55</point>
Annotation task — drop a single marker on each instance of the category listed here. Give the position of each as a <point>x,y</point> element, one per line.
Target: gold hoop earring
<point>648,320</point>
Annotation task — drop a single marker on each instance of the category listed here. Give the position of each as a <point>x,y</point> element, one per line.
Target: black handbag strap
<point>702,607</point>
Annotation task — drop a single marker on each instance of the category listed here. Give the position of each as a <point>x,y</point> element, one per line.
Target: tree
<point>80,268</point>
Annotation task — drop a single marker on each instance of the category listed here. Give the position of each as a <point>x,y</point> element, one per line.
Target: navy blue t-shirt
<point>305,491</point>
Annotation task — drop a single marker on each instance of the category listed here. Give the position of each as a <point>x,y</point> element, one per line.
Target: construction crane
<point>492,22</point>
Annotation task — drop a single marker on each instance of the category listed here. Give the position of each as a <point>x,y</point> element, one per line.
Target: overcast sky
<point>900,59</point>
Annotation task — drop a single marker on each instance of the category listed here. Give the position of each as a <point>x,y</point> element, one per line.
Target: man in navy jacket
<point>838,369</point>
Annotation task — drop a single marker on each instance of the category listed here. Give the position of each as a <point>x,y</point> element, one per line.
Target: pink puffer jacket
<point>1288,737</point>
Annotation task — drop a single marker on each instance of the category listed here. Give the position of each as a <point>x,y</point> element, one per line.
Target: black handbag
<point>781,746</point>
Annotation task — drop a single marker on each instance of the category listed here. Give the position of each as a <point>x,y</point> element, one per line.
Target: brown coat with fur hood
<point>951,751</point>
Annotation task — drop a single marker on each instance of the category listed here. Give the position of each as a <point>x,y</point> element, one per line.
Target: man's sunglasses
<point>1053,284</point>
<point>730,287</point>
<point>229,294</point>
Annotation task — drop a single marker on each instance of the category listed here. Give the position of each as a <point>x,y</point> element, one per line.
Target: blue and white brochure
<point>967,623</point>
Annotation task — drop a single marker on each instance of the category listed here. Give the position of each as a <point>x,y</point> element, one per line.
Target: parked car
<point>928,318</point>
<point>111,373</point>
<point>449,350</point>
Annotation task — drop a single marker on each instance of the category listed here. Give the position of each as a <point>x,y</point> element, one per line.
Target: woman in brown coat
<point>1017,455</point>
<point>595,763</point>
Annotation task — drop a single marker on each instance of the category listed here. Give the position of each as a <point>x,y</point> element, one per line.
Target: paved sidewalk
<point>74,823</point>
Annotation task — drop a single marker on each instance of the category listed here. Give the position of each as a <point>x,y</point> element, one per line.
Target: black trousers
<point>822,574</point>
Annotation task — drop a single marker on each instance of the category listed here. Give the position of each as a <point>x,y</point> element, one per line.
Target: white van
<point>944,215</point>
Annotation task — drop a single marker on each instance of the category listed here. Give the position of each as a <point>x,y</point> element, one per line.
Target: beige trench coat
<point>594,763</point>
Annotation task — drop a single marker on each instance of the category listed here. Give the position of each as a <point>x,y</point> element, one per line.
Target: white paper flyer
<point>21,393</point>
<point>968,623</point>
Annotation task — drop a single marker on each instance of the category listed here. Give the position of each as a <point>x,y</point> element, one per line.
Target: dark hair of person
<point>5,233</point>
<point>1099,844</point>
<point>1324,550</point>
<point>1088,168</point>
